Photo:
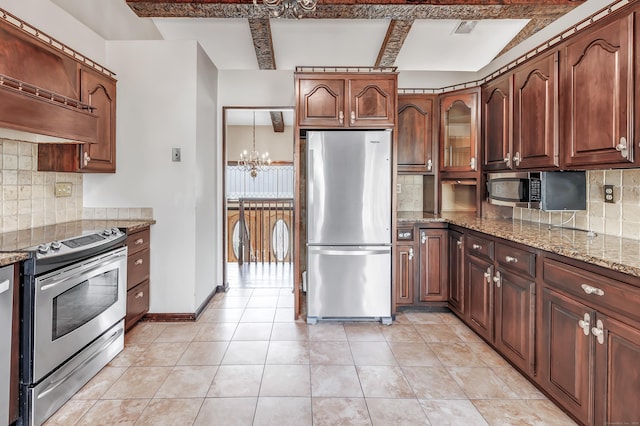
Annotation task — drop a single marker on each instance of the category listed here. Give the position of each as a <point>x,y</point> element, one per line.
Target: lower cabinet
<point>433,248</point>
<point>137,276</point>
<point>405,274</point>
<point>456,272</point>
<point>480,289</point>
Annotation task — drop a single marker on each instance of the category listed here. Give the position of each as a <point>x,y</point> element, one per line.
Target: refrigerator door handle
<point>350,252</point>
<point>312,216</point>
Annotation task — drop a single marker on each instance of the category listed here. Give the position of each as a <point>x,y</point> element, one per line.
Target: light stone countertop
<point>13,244</point>
<point>615,253</point>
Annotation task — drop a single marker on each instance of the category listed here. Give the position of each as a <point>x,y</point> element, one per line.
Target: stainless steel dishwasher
<point>6,310</point>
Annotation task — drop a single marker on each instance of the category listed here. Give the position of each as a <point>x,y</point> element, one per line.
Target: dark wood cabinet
<point>479,276</point>
<point>405,273</point>
<point>459,124</point>
<point>138,244</point>
<point>598,95</point>
<point>415,133</point>
<point>535,114</point>
<point>99,91</point>
<point>496,124</point>
<point>14,379</point>
<point>433,249</point>
<point>456,273</point>
<point>336,100</point>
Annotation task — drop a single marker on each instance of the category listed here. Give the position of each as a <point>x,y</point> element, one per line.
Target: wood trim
<point>169,317</point>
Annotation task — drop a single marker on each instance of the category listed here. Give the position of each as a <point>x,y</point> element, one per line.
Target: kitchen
<point>178,192</point>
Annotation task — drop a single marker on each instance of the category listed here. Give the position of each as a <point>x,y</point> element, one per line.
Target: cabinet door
<point>404,274</point>
<point>372,102</point>
<point>321,102</point>
<point>514,318</point>
<point>567,353</point>
<point>458,129</point>
<point>99,91</point>
<point>433,265</point>
<point>456,272</point>
<point>598,96</point>
<point>415,133</point>
<point>496,130</point>
<point>535,112</point>
<point>617,386</point>
<point>480,286</point>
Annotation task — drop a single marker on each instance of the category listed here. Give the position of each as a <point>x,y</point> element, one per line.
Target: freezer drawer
<point>349,282</point>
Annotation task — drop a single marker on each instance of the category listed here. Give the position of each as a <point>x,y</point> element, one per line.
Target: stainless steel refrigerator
<point>349,225</point>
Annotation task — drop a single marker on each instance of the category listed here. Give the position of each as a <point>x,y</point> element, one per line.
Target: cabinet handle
<point>517,159</point>
<point>341,117</point>
<point>138,241</point>
<point>472,163</point>
<point>139,295</point>
<point>622,147</point>
<point>592,290</point>
<point>86,158</point>
<point>139,262</point>
<point>585,323</point>
<point>423,237</point>
<point>353,117</point>
<point>459,244</point>
<point>511,259</point>
<point>429,165</point>
<point>487,275</point>
<point>598,331</point>
<point>507,159</point>
<point>497,279</point>
<point>411,253</point>
<point>476,247</point>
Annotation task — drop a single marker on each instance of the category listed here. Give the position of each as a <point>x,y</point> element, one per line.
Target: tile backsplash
<point>410,197</point>
<point>27,197</point>
<point>620,219</point>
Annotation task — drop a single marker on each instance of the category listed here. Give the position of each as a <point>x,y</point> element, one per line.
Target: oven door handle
<point>53,386</point>
<point>84,270</point>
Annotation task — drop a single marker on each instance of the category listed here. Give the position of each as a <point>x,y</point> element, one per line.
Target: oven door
<point>73,306</point>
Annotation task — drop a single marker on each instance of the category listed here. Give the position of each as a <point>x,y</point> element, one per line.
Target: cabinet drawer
<point>595,290</point>
<point>479,247</point>
<point>516,259</point>
<point>137,303</point>
<point>137,268</point>
<point>138,241</point>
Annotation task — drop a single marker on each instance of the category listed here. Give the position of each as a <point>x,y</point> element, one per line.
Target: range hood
<point>36,115</point>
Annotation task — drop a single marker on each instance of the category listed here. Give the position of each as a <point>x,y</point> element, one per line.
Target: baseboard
<point>169,317</point>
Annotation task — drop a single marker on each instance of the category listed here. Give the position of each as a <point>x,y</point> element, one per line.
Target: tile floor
<point>246,362</point>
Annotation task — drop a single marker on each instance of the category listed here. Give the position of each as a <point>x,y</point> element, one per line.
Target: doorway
<point>259,199</point>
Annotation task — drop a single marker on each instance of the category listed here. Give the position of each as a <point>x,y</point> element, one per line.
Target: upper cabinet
<point>496,124</point>
<point>597,95</point>
<point>459,131</point>
<point>99,91</point>
<point>535,114</point>
<point>415,133</point>
<point>338,100</point>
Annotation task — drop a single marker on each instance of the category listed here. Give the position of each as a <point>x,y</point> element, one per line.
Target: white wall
<point>157,111</point>
<point>277,144</point>
<point>57,23</point>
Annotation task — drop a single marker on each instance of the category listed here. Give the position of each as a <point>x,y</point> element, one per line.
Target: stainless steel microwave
<point>550,191</point>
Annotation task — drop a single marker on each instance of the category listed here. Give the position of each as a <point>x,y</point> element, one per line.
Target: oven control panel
<point>88,242</point>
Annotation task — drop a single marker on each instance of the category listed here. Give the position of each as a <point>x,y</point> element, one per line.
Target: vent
<point>465,27</point>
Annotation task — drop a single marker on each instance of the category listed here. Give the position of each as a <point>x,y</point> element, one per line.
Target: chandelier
<point>254,162</point>
<point>289,8</point>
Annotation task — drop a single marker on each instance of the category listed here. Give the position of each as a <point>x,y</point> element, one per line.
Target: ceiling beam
<point>277,121</point>
<point>531,28</point>
<point>396,34</point>
<point>263,43</point>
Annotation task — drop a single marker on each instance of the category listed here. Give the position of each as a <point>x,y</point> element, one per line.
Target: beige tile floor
<point>247,362</point>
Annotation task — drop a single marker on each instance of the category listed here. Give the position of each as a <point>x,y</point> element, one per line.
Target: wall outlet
<point>608,194</point>
<point>175,154</point>
<point>62,189</point>
<point>398,188</point>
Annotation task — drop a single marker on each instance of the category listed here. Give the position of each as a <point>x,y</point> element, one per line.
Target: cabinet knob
<point>86,158</point>
<point>487,275</point>
<point>622,147</point>
<point>411,253</point>
<point>472,163</point>
<point>592,290</point>
<point>517,159</point>
<point>598,331</point>
<point>341,117</point>
<point>459,244</point>
<point>507,159</point>
<point>585,323</point>
<point>138,241</point>
<point>423,237</point>
<point>429,164</point>
<point>476,247</point>
<point>353,117</point>
<point>139,295</point>
<point>139,262</point>
<point>511,259</point>
<point>497,279</point>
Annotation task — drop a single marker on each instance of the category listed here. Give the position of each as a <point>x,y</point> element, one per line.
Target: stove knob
<point>115,231</point>
<point>43,248</point>
<point>106,232</point>
<point>55,245</point>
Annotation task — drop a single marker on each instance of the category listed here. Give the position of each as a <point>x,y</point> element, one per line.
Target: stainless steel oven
<point>75,303</point>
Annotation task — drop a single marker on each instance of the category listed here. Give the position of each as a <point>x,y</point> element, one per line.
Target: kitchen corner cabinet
<point>496,124</point>
<point>456,272</point>
<point>459,124</point>
<point>598,95</point>
<point>137,276</point>
<point>404,267</point>
<point>99,91</point>
<point>433,277</point>
<point>590,343</point>
<point>415,133</point>
<point>346,100</point>
<point>535,114</point>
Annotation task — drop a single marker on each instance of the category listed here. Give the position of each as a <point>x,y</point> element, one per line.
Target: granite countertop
<point>12,244</point>
<point>615,253</point>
